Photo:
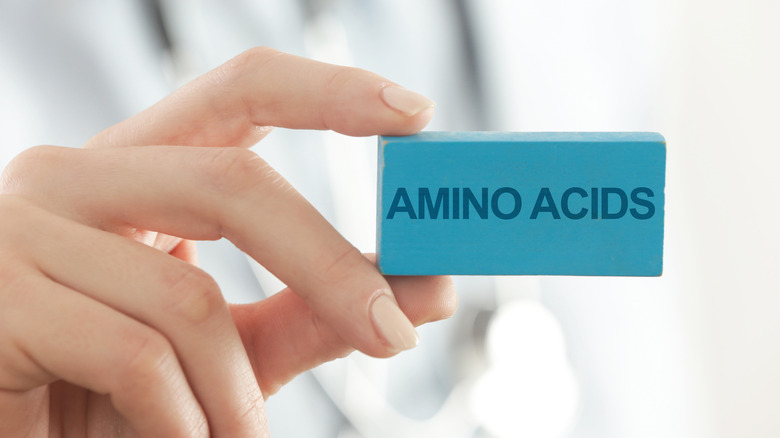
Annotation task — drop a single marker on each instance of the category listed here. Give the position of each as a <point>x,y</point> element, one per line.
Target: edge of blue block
<point>492,136</point>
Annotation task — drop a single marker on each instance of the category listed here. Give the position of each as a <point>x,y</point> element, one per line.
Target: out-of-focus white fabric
<point>693,353</point>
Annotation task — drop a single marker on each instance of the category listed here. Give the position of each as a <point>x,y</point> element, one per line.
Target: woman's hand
<point>106,326</point>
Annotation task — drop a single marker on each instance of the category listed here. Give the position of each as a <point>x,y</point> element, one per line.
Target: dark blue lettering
<point>469,198</point>
<point>456,203</point>
<point>565,203</point>
<point>395,207</point>
<point>545,195</point>
<point>642,202</point>
<point>517,200</point>
<point>605,192</point>
<point>442,203</point>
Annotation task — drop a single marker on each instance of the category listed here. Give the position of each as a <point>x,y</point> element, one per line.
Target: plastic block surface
<point>497,203</point>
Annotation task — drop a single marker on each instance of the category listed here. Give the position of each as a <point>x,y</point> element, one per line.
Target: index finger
<point>209,193</point>
<point>236,103</point>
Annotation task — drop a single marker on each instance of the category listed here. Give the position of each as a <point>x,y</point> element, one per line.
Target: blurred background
<point>694,353</point>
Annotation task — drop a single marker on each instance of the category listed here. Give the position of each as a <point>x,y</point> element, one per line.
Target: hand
<point>106,326</point>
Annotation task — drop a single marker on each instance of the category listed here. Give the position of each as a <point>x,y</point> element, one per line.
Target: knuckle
<point>199,429</point>
<point>34,155</point>
<point>226,164</point>
<point>252,413</point>
<point>33,161</point>
<point>233,171</point>
<point>243,71</point>
<point>150,367</point>
<point>329,338</point>
<point>192,295</point>
<point>256,56</point>
<point>150,357</point>
<point>339,78</point>
<point>342,265</point>
<point>249,60</point>
<point>340,83</point>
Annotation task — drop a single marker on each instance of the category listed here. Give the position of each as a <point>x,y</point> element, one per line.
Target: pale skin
<point>109,329</point>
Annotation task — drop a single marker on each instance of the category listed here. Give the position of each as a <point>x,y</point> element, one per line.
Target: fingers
<point>235,104</point>
<point>284,337</point>
<point>178,300</point>
<point>208,193</point>
<point>49,332</point>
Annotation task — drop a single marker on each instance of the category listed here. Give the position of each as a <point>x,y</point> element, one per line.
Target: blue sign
<point>497,203</point>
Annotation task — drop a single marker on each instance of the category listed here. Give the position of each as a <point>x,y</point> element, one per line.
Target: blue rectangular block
<point>497,203</point>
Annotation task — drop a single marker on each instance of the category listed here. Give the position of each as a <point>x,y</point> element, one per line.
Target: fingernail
<point>407,102</point>
<point>392,324</point>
